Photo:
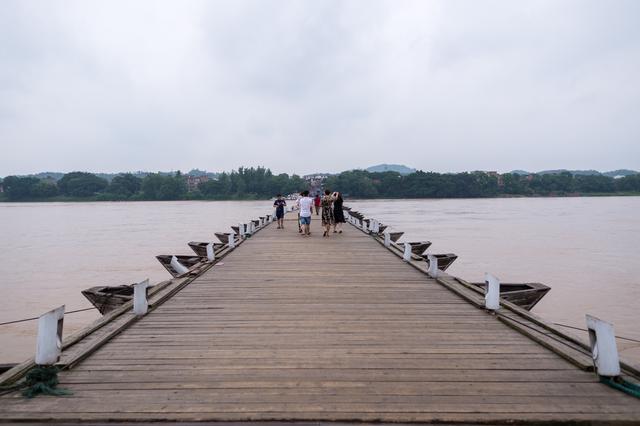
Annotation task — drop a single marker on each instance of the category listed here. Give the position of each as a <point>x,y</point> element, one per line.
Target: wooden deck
<point>289,328</point>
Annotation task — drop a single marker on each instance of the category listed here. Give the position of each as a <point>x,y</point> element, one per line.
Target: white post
<point>364,226</point>
<point>140,304</point>
<point>387,239</point>
<point>232,240</point>
<point>492,294</point>
<point>49,341</point>
<point>241,230</point>
<point>603,347</point>
<point>177,266</point>
<point>376,227</point>
<point>433,266</point>
<point>211,254</point>
<point>406,256</point>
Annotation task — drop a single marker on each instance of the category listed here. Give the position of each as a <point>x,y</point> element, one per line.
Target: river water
<point>585,249</point>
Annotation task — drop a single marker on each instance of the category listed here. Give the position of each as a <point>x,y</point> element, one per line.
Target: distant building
<point>315,177</point>
<point>194,181</point>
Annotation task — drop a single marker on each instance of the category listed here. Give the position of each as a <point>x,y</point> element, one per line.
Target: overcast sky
<point>304,86</point>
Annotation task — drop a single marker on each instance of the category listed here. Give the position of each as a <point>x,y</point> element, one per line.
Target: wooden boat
<point>108,298</point>
<point>224,236</point>
<point>525,295</point>
<point>419,247</point>
<point>444,260</point>
<point>395,236</point>
<point>236,229</point>
<point>6,367</point>
<point>200,248</point>
<point>190,262</point>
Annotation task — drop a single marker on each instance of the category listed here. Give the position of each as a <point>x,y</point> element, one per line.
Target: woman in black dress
<point>338,214</point>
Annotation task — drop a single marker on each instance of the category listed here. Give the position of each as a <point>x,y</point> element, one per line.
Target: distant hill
<point>613,173</point>
<point>573,172</point>
<point>520,172</point>
<point>620,172</point>
<point>403,170</point>
<point>109,176</point>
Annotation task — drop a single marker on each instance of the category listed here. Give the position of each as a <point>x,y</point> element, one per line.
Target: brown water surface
<point>586,249</point>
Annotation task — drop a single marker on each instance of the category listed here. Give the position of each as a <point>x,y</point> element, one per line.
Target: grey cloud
<point>307,86</point>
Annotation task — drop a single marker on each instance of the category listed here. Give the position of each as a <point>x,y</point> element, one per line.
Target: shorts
<point>305,220</point>
<point>279,213</point>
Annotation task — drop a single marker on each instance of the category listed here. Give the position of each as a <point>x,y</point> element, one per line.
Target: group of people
<point>330,205</point>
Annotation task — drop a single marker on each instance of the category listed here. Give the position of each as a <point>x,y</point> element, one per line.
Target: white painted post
<point>49,341</point>
<point>177,266</point>
<point>364,226</point>
<point>232,240</point>
<point>211,254</point>
<point>406,256</point>
<point>433,266</point>
<point>603,347</point>
<point>376,227</point>
<point>387,239</point>
<point>140,304</point>
<point>241,230</point>
<point>492,294</point>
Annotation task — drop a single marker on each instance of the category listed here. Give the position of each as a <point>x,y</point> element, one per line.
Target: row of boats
<point>525,295</point>
<point>108,298</point>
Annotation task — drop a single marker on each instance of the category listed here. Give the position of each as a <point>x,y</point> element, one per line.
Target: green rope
<point>622,385</point>
<point>43,380</point>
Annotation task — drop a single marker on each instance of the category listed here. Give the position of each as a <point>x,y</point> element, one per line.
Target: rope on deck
<point>622,385</point>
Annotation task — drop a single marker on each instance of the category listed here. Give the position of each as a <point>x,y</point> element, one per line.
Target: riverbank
<point>102,198</point>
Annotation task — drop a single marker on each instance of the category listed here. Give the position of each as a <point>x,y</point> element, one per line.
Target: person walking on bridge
<point>316,202</point>
<point>305,204</point>
<point>280,204</point>
<point>327,212</point>
<point>338,214</point>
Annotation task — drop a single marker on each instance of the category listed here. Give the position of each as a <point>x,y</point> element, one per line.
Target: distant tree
<point>20,188</point>
<point>629,183</point>
<point>81,184</point>
<point>125,185</point>
<point>45,190</point>
<point>158,187</point>
<point>594,183</point>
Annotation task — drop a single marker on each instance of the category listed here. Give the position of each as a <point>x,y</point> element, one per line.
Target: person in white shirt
<point>305,204</point>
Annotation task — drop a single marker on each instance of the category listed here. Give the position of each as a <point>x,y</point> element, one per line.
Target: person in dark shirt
<point>338,214</point>
<point>279,204</point>
<point>316,202</point>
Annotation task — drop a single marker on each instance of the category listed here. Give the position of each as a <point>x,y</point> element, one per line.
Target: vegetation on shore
<point>261,183</point>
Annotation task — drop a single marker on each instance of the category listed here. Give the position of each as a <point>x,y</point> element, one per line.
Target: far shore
<point>250,198</point>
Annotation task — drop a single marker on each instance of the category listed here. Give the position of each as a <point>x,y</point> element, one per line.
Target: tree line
<point>261,183</point>
<point>241,184</point>
<point>362,184</point>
